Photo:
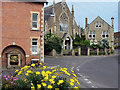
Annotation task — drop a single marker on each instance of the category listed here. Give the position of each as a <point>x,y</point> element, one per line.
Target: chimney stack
<point>112,22</point>
<point>73,10</point>
<point>85,22</point>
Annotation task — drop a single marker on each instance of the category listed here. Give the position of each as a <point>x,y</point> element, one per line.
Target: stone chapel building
<point>99,29</point>
<point>59,20</point>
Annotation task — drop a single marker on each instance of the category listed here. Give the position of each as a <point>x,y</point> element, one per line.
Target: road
<point>93,71</point>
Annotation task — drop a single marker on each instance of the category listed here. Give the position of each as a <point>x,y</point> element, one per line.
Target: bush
<point>93,53</point>
<point>112,51</point>
<point>102,53</point>
<point>51,42</point>
<point>45,77</point>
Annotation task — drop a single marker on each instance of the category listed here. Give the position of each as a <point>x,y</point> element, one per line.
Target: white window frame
<point>93,34</point>
<point>35,45</point>
<point>98,23</point>
<point>90,34</point>
<point>103,34</point>
<point>38,20</point>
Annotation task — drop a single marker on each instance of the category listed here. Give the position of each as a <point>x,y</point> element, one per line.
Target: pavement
<point>93,71</point>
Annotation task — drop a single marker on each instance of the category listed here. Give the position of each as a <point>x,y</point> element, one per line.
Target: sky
<point>93,8</point>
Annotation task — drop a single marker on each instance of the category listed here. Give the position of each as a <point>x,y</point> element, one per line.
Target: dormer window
<point>98,24</point>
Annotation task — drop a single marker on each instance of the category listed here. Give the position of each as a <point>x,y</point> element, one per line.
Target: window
<point>98,24</point>
<point>64,23</point>
<point>35,21</point>
<point>90,34</point>
<point>34,46</point>
<point>94,34</point>
<point>107,34</point>
<point>103,34</point>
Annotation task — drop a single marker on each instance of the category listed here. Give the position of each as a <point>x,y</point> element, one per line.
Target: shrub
<point>112,51</point>
<point>102,53</point>
<point>51,78</point>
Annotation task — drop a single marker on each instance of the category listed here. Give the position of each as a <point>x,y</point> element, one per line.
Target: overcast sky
<point>92,9</point>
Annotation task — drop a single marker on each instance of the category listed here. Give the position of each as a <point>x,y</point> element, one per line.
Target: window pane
<point>34,24</point>
<point>34,48</point>
<point>35,16</point>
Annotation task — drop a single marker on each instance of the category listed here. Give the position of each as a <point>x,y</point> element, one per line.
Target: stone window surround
<point>105,33</point>
<point>38,23</point>
<point>99,24</point>
<point>92,33</point>
<point>67,18</point>
<point>38,46</point>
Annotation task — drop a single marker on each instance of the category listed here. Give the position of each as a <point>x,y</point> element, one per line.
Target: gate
<point>84,50</point>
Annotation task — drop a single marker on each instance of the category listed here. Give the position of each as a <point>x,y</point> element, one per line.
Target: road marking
<point>85,79</point>
<point>77,69</point>
<point>89,82</point>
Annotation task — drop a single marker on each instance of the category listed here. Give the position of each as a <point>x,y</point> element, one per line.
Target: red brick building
<point>22,33</point>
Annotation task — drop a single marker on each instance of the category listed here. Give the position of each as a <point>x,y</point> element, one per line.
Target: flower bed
<point>93,52</point>
<point>43,77</point>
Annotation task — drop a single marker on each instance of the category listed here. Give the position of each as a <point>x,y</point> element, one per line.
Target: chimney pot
<point>85,22</point>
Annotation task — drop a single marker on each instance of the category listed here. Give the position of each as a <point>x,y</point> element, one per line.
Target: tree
<point>104,43</point>
<point>81,41</point>
<point>51,42</point>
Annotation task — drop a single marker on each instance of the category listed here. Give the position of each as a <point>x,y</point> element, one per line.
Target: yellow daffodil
<point>74,75</point>
<point>43,73</point>
<point>72,80</point>
<point>50,87</point>
<point>16,70</point>
<point>32,84</point>
<point>29,71</point>
<point>38,86</point>
<point>53,76</point>
<point>52,67</point>
<point>26,74</point>
<point>44,84</point>
<point>33,65</point>
<point>37,73</point>
<point>41,64</point>
<point>71,83</point>
<point>48,72</point>
<point>32,88</point>
<point>52,82</point>
<point>25,80</point>
<point>60,81</point>
<point>46,78</point>
<point>11,76</point>
<point>76,87</point>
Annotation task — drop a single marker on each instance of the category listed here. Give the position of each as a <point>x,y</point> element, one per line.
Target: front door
<point>13,60</point>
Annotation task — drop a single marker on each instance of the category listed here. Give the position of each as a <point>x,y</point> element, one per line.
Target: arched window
<point>64,23</point>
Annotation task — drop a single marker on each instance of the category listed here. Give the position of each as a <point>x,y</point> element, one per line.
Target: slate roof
<point>48,11</point>
<point>101,19</point>
<point>64,35</point>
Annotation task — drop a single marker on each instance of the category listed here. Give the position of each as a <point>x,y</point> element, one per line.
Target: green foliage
<point>80,41</point>
<point>104,43</point>
<point>51,42</point>
<point>102,53</point>
<point>112,51</point>
<point>95,46</point>
<point>93,53</point>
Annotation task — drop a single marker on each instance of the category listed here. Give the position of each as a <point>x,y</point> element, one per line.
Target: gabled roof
<point>101,19</point>
<point>49,10</point>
